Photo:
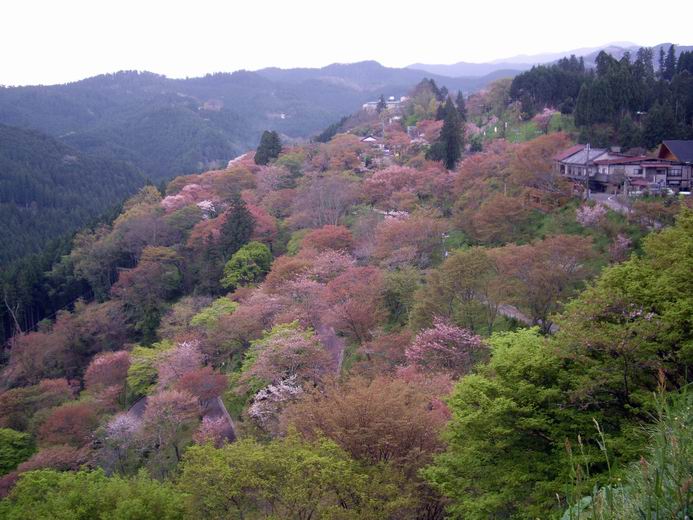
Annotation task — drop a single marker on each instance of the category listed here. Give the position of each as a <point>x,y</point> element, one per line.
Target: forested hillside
<point>635,101</point>
<point>48,189</point>
<point>168,127</point>
<point>423,324</point>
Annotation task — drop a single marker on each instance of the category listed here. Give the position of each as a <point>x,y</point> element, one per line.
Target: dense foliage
<point>352,330</point>
<point>627,101</point>
<point>48,189</point>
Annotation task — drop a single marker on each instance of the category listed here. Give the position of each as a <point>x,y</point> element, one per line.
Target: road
<point>212,408</point>
<point>610,201</point>
<point>333,344</point>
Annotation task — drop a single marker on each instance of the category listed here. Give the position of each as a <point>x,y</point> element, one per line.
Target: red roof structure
<point>567,153</point>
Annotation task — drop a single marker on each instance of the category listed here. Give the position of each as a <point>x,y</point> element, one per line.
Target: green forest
<point>48,190</point>
<point>629,102</point>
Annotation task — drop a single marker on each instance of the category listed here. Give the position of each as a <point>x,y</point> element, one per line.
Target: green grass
<point>562,123</point>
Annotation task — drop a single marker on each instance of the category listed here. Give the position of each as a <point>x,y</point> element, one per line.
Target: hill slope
<point>48,189</point>
<point>169,127</point>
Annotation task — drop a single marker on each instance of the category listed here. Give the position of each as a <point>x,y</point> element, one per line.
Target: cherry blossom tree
<point>447,348</point>
<point>61,458</point>
<point>330,264</point>
<point>619,248</point>
<point>355,302</point>
<point>213,430</point>
<point>416,240</point>
<point>590,216</point>
<point>323,199</point>
<point>337,238</point>
<point>70,423</point>
<point>120,435</point>
<point>204,383</point>
<point>543,274</point>
<point>270,401</point>
<point>383,420</point>
<point>285,351</point>
<point>304,296</point>
<point>167,416</point>
<point>106,370</point>
<point>285,268</point>
<point>178,361</point>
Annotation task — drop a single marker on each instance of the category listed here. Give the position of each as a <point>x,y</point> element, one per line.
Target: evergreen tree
<point>237,229</point>
<point>643,69</point>
<point>629,135</point>
<point>661,62</point>
<point>685,62</point>
<point>461,107</point>
<point>269,148</point>
<point>605,62</point>
<point>660,124</point>
<point>381,104</point>
<point>440,112</point>
<point>448,148</point>
<point>670,64</point>
<point>436,91</point>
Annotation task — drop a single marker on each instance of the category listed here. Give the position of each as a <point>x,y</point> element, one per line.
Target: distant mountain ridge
<point>168,127</point>
<point>524,62</point>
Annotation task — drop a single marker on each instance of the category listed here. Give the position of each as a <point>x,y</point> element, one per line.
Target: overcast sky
<point>55,41</point>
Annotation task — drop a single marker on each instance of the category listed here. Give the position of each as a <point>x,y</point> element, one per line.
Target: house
<point>599,169</point>
<point>390,103</point>
<point>681,153</point>
<point>578,162</point>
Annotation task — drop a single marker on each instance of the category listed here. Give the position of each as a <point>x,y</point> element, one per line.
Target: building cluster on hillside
<point>609,170</point>
<point>390,103</point>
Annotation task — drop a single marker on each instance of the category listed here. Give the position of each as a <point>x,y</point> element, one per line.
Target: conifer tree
<point>669,64</point>
<point>440,112</point>
<point>461,107</point>
<point>661,62</point>
<point>269,148</point>
<point>381,104</point>
<point>660,124</point>
<point>448,148</point>
<point>238,228</point>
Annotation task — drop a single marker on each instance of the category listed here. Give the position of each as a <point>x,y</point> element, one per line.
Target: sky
<point>57,41</point>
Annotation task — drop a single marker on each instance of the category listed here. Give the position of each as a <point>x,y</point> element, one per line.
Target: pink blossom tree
<point>119,437</point>
<point>204,383</point>
<point>109,369</point>
<point>287,351</point>
<point>167,416</point>
<point>330,264</point>
<point>590,216</point>
<point>445,348</point>
<point>212,430</point>
<point>619,248</point>
<point>177,361</point>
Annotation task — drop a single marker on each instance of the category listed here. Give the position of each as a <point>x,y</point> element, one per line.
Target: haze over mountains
<point>520,63</point>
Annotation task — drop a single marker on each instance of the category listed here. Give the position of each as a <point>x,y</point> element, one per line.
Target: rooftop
<point>683,150</point>
<point>585,155</point>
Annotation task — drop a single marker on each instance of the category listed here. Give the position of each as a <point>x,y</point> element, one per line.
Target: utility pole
<point>587,173</point>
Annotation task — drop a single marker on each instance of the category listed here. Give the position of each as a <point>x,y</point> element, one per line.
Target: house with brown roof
<point>600,169</point>
<point>681,154</point>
